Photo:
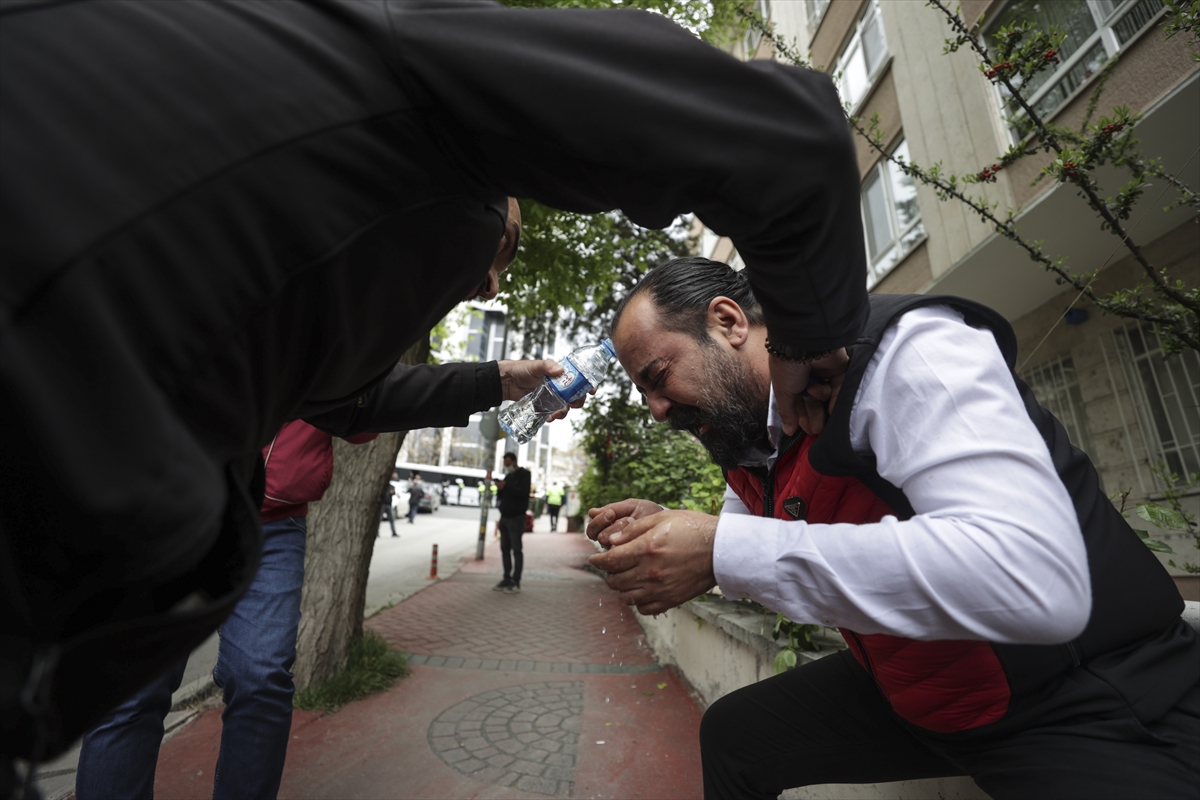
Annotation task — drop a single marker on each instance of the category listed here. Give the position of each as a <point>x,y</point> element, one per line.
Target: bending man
<point>1002,619</point>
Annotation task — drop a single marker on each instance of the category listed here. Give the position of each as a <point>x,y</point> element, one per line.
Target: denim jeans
<point>413,508</point>
<point>511,530</point>
<point>254,661</point>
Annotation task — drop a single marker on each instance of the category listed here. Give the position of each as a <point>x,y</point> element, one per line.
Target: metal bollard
<point>433,576</point>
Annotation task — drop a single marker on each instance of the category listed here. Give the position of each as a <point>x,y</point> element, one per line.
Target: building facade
<point>1129,407</point>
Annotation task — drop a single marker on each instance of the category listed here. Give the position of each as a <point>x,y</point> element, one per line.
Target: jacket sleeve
<point>421,396</point>
<point>590,110</point>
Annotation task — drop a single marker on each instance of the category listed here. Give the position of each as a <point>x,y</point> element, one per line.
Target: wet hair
<point>683,288</point>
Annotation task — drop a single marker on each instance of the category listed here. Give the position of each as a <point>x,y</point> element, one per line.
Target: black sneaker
<point>503,586</point>
<point>512,588</point>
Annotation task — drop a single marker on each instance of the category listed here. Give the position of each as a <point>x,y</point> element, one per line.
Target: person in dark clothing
<point>415,493</point>
<point>513,498</point>
<point>389,491</point>
<point>221,216</point>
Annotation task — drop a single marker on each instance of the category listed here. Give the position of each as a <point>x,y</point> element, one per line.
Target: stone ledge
<point>753,628</point>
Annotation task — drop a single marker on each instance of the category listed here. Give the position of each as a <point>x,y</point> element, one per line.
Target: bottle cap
<point>608,345</point>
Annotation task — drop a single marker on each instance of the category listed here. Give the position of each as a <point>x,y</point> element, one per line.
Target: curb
<point>199,689</point>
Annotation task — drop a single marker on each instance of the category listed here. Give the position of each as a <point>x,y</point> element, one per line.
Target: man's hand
<point>660,561</point>
<point>616,517</point>
<point>519,378</point>
<point>803,402</point>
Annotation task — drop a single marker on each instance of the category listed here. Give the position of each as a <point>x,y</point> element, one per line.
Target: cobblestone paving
<point>554,622</point>
<point>523,737</point>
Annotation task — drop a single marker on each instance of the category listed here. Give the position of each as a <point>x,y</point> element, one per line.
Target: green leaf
<point>784,661</point>
<point>1157,546</point>
<point>1161,516</point>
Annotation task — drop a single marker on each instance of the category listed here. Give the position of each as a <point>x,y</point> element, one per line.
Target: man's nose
<point>660,407</point>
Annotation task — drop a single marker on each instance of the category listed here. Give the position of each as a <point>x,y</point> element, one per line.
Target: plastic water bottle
<point>583,371</point>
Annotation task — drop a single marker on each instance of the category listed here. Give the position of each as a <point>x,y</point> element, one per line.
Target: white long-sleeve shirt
<point>993,551</point>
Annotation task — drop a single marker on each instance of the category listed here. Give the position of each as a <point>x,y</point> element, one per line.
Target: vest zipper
<point>862,648</point>
<point>767,479</point>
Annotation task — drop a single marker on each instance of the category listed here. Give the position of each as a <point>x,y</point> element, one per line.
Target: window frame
<point>1105,34</point>
<point>871,7</point>
<point>814,21</point>
<point>1057,377</point>
<point>880,171</point>
<point>1149,421</point>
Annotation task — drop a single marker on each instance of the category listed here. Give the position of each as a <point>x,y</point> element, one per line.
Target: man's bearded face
<point>736,403</point>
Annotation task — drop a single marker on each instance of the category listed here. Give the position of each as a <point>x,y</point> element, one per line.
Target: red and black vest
<point>955,686</point>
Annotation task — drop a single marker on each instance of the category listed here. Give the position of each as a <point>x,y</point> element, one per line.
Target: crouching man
<point>1002,619</point>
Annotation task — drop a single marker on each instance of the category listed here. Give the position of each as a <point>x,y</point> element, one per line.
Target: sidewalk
<point>548,693</point>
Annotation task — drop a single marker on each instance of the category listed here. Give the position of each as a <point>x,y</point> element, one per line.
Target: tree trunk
<point>341,539</point>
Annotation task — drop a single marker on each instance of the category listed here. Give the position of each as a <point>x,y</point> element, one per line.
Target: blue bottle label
<point>572,384</point>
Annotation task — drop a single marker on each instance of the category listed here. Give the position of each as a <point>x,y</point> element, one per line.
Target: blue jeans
<point>413,508</point>
<point>254,661</point>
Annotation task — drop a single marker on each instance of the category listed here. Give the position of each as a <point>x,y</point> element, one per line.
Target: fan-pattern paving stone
<point>522,736</point>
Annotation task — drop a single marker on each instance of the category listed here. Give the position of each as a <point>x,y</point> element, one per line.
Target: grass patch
<point>371,666</point>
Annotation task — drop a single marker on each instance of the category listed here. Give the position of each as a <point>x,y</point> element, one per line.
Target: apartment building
<point>1107,379</point>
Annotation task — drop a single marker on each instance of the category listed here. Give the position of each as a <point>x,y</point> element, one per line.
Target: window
<point>753,36</point>
<point>1095,30</point>
<point>815,11</point>
<point>891,216</point>
<point>1167,396</point>
<point>1056,387</point>
<point>859,64</point>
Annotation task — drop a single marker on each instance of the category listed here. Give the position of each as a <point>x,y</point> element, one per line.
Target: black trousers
<point>511,530</point>
<point>552,510</point>
<point>827,722</point>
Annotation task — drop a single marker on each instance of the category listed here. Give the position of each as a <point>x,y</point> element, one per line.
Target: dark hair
<point>683,288</point>
<point>512,455</point>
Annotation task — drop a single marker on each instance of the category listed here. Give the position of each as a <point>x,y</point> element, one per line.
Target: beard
<point>736,403</point>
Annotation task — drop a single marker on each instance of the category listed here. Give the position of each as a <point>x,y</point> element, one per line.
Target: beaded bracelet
<point>806,358</point>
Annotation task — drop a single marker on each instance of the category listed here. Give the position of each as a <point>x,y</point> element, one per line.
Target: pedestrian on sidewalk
<point>513,494</point>
<point>389,491</point>
<point>254,660</point>
<point>554,498</point>
<point>415,495</point>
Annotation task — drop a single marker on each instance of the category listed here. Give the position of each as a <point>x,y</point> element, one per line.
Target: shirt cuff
<point>744,554</point>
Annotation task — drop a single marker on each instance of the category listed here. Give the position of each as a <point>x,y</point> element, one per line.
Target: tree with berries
<point>1017,53</point>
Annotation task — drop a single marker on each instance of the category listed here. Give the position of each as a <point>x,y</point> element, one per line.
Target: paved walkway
<point>548,693</point>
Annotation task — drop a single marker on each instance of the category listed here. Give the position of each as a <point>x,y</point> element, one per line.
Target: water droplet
<point>604,630</point>
<point>606,699</point>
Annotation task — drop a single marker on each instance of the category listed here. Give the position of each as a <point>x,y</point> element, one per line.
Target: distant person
<point>389,491</point>
<point>458,496</point>
<point>554,499</point>
<point>513,495</point>
<point>415,493</point>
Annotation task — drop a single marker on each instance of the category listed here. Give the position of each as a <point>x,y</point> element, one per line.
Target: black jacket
<point>514,497</point>
<point>220,216</point>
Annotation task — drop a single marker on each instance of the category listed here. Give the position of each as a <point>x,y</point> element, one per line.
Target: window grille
<point>1166,391</point>
<point>891,217</point>
<point>1096,30</point>
<point>1055,384</point>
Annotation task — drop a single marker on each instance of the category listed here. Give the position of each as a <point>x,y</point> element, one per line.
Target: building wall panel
<point>948,117</point>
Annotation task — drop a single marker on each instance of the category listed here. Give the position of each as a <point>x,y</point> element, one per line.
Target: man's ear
<point>727,321</point>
